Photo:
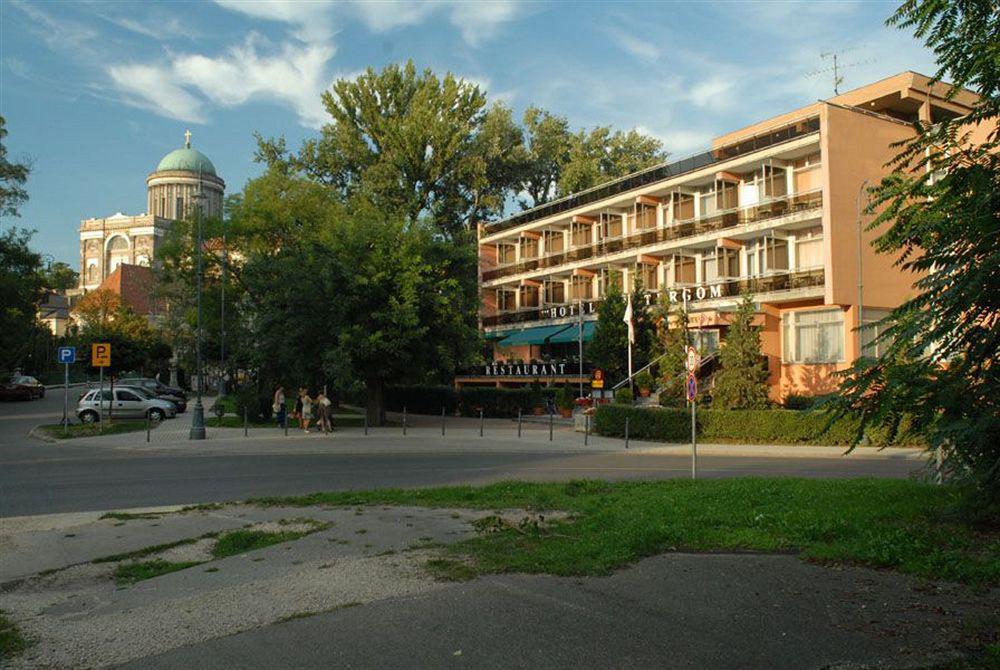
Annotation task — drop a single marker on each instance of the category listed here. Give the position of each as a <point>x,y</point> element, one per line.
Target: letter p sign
<point>100,354</point>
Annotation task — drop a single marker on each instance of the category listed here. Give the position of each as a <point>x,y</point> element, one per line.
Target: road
<point>122,471</point>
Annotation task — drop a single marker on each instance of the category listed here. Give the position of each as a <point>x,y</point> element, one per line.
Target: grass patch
<point>148,551</point>
<point>450,570</point>
<point>127,516</point>
<point>55,430</point>
<point>12,642</point>
<point>130,573</point>
<point>895,524</point>
<point>242,541</point>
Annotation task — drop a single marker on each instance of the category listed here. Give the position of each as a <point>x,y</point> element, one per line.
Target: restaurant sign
<point>524,370</point>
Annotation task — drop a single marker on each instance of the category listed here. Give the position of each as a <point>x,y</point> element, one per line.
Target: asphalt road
<point>41,478</point>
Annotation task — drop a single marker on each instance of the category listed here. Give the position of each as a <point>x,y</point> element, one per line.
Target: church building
<point>182,178</point>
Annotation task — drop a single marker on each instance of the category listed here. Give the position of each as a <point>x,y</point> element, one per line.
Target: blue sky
<point>95,93</point>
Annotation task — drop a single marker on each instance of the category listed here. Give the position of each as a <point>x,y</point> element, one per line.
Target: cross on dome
<point>187,139</point>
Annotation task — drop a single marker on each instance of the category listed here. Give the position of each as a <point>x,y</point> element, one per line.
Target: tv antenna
<point>838,67</point>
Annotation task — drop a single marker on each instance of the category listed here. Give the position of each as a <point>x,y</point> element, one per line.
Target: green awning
<point>536,335</point>
<point>572,333</point>
<point>495,336</point>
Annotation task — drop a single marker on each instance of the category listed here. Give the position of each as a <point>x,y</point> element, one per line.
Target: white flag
<point>628,320</point>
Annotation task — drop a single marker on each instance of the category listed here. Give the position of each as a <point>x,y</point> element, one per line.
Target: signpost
<point>66,355</point>
<point>100,357</point>
<point>691,386</point>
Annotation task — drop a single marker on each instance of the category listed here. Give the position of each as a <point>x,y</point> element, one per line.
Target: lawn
<point>90,429</point>
<point>895,524</point>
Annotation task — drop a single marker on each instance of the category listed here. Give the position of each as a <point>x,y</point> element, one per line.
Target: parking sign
<point>100,354</point>
<point>67,354</point>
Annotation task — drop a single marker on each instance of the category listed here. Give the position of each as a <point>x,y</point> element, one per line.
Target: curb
<point>40,435</point>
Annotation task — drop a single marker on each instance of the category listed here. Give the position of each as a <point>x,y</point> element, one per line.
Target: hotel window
<point>809,248</point>
<point>708,203</point>
<point>773,183</point>
<point>726,195</point>
<point>870,332</point>
<point>728,261</point>
<point>775,254</point>
<point>581,288</point>
<point>555,292</point>
<point>705,341</point>
<point>645,217</point>
<point>529,247</point>
<point>529,296</point>
<point>506,300</point>
<point>581,234</point>
<point>611,226</point>
<point>605,278</point>
<point>683,206</point>
<point>709,267</point>
<point>506,254</point>
<point>807,173</point>
<point>813,337</point>
<point>649,274</point>
<point>684,270</point>
<point>554,241</point>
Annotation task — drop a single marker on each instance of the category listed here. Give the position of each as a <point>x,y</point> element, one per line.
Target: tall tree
<point>13,176</point>
<point>670,348</point>
<point>411,144</point>
<point>608,348</point>
<point>600,155</point>
<point>21,285</point>
<point>938,213</point>
<point>742,381</point>
<point>60,277</point>
<point>547,142</point>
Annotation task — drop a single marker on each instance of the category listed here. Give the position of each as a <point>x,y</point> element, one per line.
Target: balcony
<point>724,220</point>
<point>776,283</point>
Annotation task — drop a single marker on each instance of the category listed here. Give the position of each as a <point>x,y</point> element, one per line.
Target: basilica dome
<point>186,160</point>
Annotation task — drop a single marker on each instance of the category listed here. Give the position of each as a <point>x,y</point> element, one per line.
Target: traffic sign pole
<point>694,442</point>
<point>66,400</point>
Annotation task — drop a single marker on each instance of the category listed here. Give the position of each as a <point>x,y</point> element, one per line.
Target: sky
<point>95,93</point>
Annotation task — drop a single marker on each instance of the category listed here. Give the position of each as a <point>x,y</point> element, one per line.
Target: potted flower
<point>564,401</point>
<point>644,381</point>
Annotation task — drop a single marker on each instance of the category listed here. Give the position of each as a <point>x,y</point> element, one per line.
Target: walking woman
<point>305,415</point>
<point>323,403</point>
<point>278,406</point>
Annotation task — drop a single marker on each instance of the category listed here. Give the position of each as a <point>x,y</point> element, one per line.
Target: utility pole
<point>862,193</point>
<point>579,310</point>
<point>222,327</point>
<point>198,413</point>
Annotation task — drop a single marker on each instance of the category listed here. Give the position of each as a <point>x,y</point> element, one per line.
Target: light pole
<point>198,413</point>
<point>222,322</point>
<point>862,192</point>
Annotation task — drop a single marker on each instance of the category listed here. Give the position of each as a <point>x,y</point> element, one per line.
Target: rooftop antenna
<point>838,67</point>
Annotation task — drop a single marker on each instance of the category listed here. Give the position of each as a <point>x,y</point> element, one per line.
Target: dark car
<point>155,386</point>
<point>22,387</point>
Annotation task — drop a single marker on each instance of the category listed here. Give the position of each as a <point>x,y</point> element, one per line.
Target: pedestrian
<point>278,406</point>
<point>323,406</point>
<point>297,413</point>
<point>305,415</point>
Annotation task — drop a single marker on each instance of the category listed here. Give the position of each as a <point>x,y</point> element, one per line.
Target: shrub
<point>565,397</point>
<point>623,396</point>
<point>767,426</point>
<point>644,380</point>
<point>256,405</point>
<point>801,401</point>
<point>421,399</point>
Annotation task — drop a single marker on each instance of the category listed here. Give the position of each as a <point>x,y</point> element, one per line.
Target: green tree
<point>61,277</point>
<point>547,142</point>
<point>938,213</point>
<point>601,155</point>
<point>13,176</point>
<point>411,144</point>
<point>742,381</point>
<point>608,348</point>
<point>21,285</point>
<point>670,348</point>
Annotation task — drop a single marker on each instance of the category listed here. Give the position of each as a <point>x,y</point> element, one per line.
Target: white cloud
<point>634,45</point>
<point>680,142</point>
<point>156,88</point>
<point>711,93</point>
<point>478,21</point>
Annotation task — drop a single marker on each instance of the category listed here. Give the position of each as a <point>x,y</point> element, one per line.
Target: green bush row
<point>767,426</point>
<point>468,400</point>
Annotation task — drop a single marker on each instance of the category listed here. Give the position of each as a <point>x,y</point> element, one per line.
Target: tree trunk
<point>375,408</point>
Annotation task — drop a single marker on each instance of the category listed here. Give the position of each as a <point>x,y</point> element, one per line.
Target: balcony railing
<point>732,218</point>
<point>733,288</point>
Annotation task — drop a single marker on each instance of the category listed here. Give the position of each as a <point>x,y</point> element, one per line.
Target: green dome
<point>188,160</point>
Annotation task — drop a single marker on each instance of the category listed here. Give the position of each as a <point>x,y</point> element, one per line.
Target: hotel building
<point>772,208</point>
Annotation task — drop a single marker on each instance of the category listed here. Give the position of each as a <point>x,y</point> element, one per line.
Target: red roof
<point>134,285</point>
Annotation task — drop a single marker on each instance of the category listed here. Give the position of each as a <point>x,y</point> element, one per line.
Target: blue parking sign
<point>67,354</point>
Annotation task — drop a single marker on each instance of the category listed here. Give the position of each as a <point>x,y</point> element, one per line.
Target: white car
<point>127,405</point>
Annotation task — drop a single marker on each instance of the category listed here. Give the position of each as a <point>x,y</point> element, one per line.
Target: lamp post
<point>222,316</point>
<point>198,413</point>
<point>862,192</point>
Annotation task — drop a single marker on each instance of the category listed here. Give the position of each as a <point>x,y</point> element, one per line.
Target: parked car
<point>127,405</point>
<point>180,404</point>
<point>154,386</point>
<point>22,387</point>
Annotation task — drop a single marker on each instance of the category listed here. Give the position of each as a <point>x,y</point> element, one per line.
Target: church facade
<point>182,178</point>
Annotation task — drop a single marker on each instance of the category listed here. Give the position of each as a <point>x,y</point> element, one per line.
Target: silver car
<point>128,404</point>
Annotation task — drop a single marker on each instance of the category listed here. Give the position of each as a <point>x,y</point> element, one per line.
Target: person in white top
<point>324,412</point>
<point>306,416</point>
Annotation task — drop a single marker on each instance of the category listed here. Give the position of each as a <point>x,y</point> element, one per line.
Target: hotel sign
<point>561,311</point>
<point>524,370</point>
<point>688,294</point>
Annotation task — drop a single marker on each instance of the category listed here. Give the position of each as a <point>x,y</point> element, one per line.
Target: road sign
<point>597,379</point>
<point>693,359</point>
<point>67,354</point>
<point>100,354</point>
<point>692,387</point>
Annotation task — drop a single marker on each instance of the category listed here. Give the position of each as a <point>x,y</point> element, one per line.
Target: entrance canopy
<point>572,332</point>
<point>536,335</point>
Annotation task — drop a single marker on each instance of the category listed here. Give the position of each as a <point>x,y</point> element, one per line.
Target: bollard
<point>551,422</point>
<point>246,423</point>
<point>586,429</point>
<point>519,424</point>
<point>404,419</point>
<point>442,421</point>
<point>366,422</point>
<point>626,432</point>
<point>481,422</point>
<point>147,427</point>
<point>286,422</point>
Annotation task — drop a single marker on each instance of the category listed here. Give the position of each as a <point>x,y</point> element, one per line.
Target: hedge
<point>768,426</point>
<point>496,403</point>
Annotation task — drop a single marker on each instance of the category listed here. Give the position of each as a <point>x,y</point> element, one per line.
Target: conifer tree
<point>608,349</point>
<point>742,381</point>
<point>671,343</point>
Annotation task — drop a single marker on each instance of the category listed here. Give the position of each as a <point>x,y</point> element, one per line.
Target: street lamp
<point>198,413</point>
<point>862,192</point>
<point>222,322</point>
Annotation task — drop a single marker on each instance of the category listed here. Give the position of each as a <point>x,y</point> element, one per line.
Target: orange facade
<point>771,209</point>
